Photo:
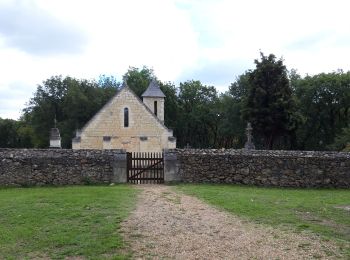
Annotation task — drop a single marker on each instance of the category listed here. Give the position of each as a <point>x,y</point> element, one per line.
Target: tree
<point>171,105</point>
<point>15,134</point>
<point>240,88</point>
<point>70,101</point>
<point>139,79</point>
<point>198,120</point>
<point>324,103</point>
<point>269,105</point>
<point>8,133</point>
<point>342,141</point>
<point>231,125</point>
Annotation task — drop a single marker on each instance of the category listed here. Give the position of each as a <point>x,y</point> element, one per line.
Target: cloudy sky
<point>210,40</point>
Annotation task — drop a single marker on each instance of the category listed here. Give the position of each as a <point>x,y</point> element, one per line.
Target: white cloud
<point>24,25</point>
<point>210,40</point>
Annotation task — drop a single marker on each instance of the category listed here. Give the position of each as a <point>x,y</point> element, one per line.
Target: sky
<point>213,41</point>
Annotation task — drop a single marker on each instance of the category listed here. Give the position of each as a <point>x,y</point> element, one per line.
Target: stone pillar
<point>55,138</point>
<point>120,168</point>
<point>171,167</point>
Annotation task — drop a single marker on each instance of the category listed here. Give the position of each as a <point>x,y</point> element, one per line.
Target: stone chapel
<point>126,122</point>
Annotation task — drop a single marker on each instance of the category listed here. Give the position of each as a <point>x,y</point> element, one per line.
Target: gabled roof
<point>153,90</point>
<point>125,86</point>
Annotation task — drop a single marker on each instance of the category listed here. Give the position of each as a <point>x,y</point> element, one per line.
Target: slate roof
<point>153,90</point>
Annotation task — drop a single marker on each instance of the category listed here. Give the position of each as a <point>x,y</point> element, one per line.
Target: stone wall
<point>262,168</point>
<point>29,167</point>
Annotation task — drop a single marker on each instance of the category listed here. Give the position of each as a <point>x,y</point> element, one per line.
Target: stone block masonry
<point>262,168</point>
<point>39,167</point>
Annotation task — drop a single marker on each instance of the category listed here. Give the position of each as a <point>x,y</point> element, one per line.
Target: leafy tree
<point>171,105</point>
<point>324,103</point>
<point>199,115</point>
<point>8,133</point>
<point>232,126</point>
<point>342,141</point>
<point>44,107</point>
<point>108,81</point>
<point>269,105</point>
<point>70,101</point>
<point>239,90</point>
<point>15,134</point>
<point>139,79</point>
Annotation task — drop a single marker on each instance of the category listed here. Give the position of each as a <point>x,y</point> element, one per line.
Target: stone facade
<point>145,131</point>
<point>261,168</point>
<point>38,167</point>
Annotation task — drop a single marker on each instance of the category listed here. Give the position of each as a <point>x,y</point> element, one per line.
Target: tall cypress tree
<point>269,105</point>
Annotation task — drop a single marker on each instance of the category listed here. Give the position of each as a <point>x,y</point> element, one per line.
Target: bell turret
<point>153,98</point>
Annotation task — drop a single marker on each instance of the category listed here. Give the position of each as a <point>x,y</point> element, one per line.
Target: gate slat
<point>139,163</point>
<point>148,174</point>
<point>144,174</point>
<point>135,167</point>
<point>151,170</point>
<point>139,177</point>
<point>133,172</point>
<point>157,169</point>
<point>161,167</point>
<point>145,167</point>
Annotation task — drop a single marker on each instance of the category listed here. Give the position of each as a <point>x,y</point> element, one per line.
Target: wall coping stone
<point>262,153</point>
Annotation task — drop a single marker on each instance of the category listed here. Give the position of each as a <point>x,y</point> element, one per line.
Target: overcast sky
<point>209,40</point>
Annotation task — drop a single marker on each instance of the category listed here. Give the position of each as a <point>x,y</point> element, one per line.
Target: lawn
<point>321,211</point>
<point>60,222</point>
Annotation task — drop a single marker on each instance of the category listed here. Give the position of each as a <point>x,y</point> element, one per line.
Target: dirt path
<point>169,225</point>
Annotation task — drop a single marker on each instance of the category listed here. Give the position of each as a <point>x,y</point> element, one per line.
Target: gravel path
<point>170,225</point>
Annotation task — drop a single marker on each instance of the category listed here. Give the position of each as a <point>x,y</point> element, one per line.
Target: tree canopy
<point>287,111</point>
<point>269,104</point>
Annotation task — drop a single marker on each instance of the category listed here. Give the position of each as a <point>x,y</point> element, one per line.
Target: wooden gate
<point>145,167</point>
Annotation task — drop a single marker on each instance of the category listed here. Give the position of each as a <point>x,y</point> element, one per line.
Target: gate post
<point>120,167</point>
<point>171,167</point>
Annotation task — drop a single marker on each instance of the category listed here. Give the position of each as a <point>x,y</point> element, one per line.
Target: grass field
<point>64,222</point>
<point>320,211</point>
<point>61,222</point>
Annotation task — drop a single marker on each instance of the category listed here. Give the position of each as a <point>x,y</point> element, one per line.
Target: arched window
<point>126,117</point>
<point>155,107</point>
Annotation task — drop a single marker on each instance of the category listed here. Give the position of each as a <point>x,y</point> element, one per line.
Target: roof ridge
<point>153,90</point>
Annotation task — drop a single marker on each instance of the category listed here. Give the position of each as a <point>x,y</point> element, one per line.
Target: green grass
<point>66,221</point>
<point>314,210</point>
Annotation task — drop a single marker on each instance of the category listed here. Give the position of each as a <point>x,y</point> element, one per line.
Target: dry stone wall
<point>32,167</point>
<point>262,168</point>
